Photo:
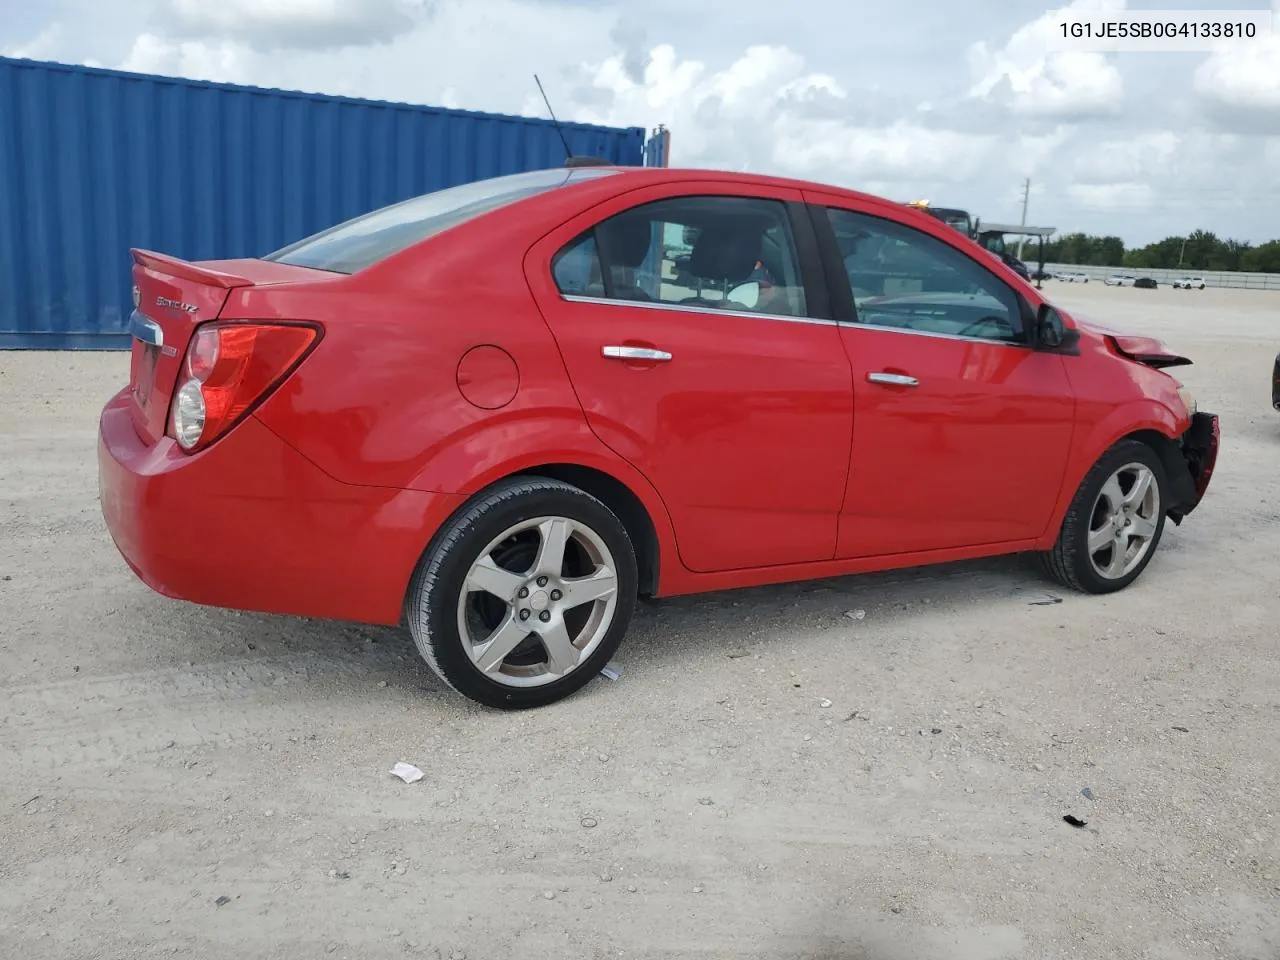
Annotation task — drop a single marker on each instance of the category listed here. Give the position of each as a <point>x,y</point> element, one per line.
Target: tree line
<point>1201,250</point>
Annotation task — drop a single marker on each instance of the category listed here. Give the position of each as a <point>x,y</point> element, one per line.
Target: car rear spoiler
<point>186,270</point>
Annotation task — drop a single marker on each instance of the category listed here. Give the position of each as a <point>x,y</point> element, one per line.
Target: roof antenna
<point>568,154</point>
<point>569,159</point>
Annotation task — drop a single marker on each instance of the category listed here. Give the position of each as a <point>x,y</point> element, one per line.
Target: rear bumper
<point>250,524</point>
<point>1199,448</point>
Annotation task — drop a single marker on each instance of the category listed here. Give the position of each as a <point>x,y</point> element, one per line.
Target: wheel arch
<point>1182,486</point>
<point>630,508</point>
<point>1146,421</point>
<point>625,504</point>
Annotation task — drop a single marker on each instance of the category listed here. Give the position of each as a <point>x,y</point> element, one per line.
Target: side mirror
<point>1051,332</point>
<point>747,294</point>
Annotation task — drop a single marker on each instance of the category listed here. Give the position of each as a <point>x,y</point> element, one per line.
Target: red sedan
<point>499,414</point>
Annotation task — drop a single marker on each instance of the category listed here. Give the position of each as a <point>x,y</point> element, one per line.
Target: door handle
<point>634,353</point>
<point>897,379</point>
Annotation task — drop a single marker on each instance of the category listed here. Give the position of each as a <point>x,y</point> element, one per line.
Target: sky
<point>958,103</point>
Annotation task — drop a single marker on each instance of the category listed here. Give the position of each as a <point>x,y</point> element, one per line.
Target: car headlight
<point>1187,399</point>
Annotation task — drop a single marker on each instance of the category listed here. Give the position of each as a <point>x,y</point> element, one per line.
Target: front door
<point>962,430</point>
<point>701,356</point>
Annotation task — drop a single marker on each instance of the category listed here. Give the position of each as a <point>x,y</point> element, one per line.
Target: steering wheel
<point>700,302</point>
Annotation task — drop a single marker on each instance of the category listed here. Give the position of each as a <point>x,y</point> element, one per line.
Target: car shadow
<point>893,596</point>
<point>365,656</point>
<point>269,644</point>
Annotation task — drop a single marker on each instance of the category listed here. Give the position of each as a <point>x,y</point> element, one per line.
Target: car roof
<point>674,174</point>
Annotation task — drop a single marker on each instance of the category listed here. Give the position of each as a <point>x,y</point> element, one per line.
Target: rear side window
<point>705,252</point>
<point>364,240</point>
<point>577,268</point>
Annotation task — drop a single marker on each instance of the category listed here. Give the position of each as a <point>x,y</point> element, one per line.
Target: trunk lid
<point>171,298</point>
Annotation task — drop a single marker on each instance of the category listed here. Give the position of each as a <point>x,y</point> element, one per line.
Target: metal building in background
<point>93,162</point>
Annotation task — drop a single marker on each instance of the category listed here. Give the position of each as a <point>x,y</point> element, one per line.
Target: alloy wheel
<point>1124,521</point>
<point>538,601</point>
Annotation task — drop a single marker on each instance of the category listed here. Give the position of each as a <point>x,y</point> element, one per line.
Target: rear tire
<point>524,595</point>
<point>1114,524</point>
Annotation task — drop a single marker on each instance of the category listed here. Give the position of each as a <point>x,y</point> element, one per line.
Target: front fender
<point>1130,418</point>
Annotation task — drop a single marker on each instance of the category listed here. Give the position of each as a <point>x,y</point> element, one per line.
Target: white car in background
<point>1120,280</point>
<point>1073,277</point>
<point>1189,283</point>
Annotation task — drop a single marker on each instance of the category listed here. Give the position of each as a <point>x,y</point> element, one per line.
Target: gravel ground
<point>774,774</point>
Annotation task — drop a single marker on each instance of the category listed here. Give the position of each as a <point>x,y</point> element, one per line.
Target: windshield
<point>994,242</point>
<point>364,240</point>
<point>957,219</point>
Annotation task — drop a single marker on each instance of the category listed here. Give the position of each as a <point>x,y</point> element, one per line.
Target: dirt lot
<point>193,782</point>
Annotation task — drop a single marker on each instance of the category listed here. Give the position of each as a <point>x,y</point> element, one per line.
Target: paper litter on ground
<point>611,670</point>
<point>407,772</point>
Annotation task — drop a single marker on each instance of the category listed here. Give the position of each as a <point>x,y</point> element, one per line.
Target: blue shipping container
<point>93,162</point>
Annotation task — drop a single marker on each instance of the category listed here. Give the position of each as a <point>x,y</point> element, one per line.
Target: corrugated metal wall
<point>93,162</point>
<point>657,150</point>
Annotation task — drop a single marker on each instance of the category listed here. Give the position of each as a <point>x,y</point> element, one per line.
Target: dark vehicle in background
<point>955,218</point>
<point>1275,383</point>
<point>990,240</point>
<point>1145,283</point>
<point>993,242</point>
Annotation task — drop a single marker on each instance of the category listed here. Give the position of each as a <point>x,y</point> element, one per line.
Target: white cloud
<point>294,23</point>
<point>1032,77</point>
<point>767,111</point>
<point>1112,196</point>
<point>1247,76</point>
<point>1033,153</point>
<point>1139,158</point>
<point>44,46</point>
<point>210,60</point>
<point>903,152</point>
<point>481,53</point>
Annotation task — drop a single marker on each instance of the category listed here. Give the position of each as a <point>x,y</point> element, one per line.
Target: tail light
<point>229,369</point>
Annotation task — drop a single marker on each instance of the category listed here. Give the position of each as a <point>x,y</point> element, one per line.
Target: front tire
<point>1114,523</point>
<point>525,594</point>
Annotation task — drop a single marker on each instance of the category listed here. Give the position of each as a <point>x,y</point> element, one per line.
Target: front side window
<point>713,252</point>
<point>364,240</point>
<point>905,278</point>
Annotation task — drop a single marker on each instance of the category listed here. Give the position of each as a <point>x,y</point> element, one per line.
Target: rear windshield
<point>358,243</point>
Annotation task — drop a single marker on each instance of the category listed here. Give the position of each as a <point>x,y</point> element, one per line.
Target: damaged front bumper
<point>1192,464</point>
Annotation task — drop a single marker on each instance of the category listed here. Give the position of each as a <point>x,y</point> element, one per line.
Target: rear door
<point>738,408</point>
<point>962,430</point>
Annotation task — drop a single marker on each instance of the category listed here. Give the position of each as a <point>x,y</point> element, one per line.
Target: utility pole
<point>1026,195</point>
